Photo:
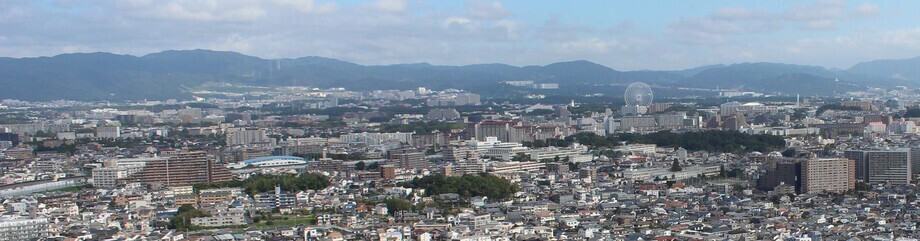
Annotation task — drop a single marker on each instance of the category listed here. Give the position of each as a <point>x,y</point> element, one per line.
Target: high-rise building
<point>638,123</point>
<point>246,137</point>
<point>875,166</point>
<point>456,153</point>
<point>915,159</point>
<point>828,175</point>
<point>781,171</point>
<point>407,158</point>
<point>185,168</point>
<point>735,122</point>
<point>107,177</point>
<point>500,129</point>
<point>859,160</point>
<point>108,132</point>
<point>889,166</point>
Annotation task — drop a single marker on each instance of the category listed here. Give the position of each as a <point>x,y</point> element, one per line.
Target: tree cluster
<point>912,112</point>
<point>395,205</point>
<point>548,143</point>
<point>827,107</point>
<point>466,186</point>
<point>711,140</point>
<point>182,220</point>
<point>262,183</point>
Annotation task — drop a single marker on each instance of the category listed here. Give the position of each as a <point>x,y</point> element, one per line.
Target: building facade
<point>828,175</point>
<point>185,168</point>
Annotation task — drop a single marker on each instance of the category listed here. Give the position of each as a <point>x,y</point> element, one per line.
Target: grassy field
<point>287,220</point>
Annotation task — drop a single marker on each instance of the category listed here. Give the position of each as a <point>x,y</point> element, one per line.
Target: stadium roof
<point>269,158</point>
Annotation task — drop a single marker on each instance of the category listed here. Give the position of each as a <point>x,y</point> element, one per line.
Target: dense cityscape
<point>334,164</point>
<point>474,120</point>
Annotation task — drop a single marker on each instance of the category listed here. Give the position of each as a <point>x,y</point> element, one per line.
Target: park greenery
<point>262,183</point>
<point>182,220</point>
<point>835,106</point>
<point>912,112</point>
<point>675,166</point>
<point>547,143</point>
<point>710,140</point>
<point>466,186</point>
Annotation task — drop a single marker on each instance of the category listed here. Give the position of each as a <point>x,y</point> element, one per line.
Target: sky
<point>624,35</point>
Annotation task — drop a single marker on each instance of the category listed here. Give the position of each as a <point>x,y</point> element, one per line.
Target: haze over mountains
<point>169,74</point>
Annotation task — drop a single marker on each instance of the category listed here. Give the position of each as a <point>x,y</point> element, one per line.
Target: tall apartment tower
<point>828,175</point>
<point>859,158</point>
<point>782,171</point>
<point>459,153</point>
<point>915,159</point>
<point>185,168</point>
<point>407,158</point>
<point>894,166</point>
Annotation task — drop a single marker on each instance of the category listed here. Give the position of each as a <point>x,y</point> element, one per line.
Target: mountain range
<point>170,74</point>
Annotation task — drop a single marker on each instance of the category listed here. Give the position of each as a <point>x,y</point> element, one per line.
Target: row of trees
<point>548,143</point>
<point>711,140</point>
<point>466,186</point>
<point>262,183</point>
<point>835,106</point>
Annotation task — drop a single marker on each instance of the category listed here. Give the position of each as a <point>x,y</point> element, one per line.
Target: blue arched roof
<point>269,158</point>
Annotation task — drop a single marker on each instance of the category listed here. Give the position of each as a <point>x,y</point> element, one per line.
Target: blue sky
<point>624,35</point>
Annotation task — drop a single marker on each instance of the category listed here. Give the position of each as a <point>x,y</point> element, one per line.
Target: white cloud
<point>201,10</point>
<point>487,10</point>
<point>307,6</point>
<point>741,13</point>
<point>392,6</point>
<point>865,10</point>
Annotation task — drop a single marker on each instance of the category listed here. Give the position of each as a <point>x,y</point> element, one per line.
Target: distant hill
<point>772,77</point>
<point>900,69</point>
<point>168,74</point>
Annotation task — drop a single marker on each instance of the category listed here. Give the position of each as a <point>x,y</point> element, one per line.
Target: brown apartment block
<point>185,168</point>
<point>828,175</point>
